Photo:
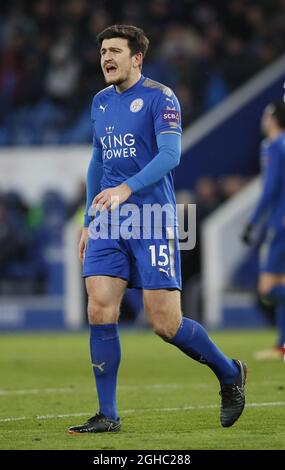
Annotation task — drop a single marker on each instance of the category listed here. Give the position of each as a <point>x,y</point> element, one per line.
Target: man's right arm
<point>93,180</point>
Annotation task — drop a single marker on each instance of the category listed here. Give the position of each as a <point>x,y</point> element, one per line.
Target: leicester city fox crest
<point>136,105</point>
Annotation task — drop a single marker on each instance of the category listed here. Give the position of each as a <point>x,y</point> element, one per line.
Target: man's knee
<point>164,323</point>
<point>104,299</point>
<point>100,313</point>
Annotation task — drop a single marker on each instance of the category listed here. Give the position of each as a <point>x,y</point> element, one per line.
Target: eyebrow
<point>110,49</point>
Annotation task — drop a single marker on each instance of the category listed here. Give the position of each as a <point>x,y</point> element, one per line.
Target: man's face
<point>116,61</point>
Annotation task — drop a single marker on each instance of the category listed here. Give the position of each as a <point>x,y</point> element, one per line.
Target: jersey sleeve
<point>272,170</point>
<point>169,151</point>
<point>96,141</point>
<point>167,113</point>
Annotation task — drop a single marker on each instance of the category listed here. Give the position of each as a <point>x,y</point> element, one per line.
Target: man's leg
<point>104,298</point>
<point>271,286</point>
<point>164,315</point>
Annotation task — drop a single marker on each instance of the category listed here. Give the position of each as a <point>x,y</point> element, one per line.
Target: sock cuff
<point>186,324</point>
<point>104,332</point>
<point>179,330</point>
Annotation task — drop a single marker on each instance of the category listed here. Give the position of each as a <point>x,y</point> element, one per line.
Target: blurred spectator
<point>237,65</point>
<point>230,185</point>
<point>180,41</point>
<point>62,76</point>
<point>184,95</point>
<point>13,232</point>
<point>207,198</point>
<point>77,205</point>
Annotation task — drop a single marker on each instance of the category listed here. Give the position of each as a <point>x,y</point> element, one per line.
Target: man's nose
<point>108,55</point>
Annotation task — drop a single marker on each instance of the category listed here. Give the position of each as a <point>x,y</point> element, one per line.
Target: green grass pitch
<point>166,400</point>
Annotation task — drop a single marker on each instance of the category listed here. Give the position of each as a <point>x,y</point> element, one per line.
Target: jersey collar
<point>131,88</point>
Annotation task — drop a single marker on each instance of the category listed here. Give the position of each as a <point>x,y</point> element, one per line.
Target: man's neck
<point>276,132</point>
<point>128,83</point>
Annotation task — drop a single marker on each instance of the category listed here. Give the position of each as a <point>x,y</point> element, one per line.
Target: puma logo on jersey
<point>172,101</point>
<point>99,366</point>
<point>103,108</point>
<point>166,271</point>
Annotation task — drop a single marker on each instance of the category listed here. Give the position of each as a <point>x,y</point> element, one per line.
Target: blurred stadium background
<point>225,61</point>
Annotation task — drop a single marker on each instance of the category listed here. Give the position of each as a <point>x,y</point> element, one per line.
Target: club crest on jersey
<point>136,105</point>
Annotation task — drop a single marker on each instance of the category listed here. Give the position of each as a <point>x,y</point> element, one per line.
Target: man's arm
<point>168,157</point>
<point>270,187</point>
<point>93,180</point>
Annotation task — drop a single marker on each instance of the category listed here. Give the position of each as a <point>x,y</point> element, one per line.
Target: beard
<point>114,81</point>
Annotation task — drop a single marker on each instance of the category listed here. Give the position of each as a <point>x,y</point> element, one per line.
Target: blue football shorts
<point>149,259</point>
<point>272,252</point>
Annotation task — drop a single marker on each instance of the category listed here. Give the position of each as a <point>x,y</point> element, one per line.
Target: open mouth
<point>111,68</point>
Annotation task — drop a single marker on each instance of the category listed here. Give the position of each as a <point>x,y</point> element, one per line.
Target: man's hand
<point>82,244</point>
<point>111,197</point>
<point>246,235</point>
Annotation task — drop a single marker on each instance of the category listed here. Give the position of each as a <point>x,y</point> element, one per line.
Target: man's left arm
<point>167,158</point>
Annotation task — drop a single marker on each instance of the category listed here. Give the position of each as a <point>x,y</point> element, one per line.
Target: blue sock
<point>105,356</point>
<point>280,323</point>
<point>193,340</point>
<point>277,294</point>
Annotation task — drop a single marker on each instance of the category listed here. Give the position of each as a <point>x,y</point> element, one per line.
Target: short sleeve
<point>96,141</point>
<point>166,113</point>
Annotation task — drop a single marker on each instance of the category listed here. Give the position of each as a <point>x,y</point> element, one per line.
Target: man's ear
<point>138,58</point>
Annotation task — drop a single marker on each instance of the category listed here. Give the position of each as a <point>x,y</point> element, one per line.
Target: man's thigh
<point>105,294</point>
<point>163,311</point>
<point>272,261</point>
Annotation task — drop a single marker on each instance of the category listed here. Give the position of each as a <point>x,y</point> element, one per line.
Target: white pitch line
<point>35,391</point>
<point>141,410</point>
<point>166,386</point>
<point>161,386</point>
<point>25,418</point>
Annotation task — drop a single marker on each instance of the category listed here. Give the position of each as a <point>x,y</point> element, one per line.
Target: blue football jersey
<point>272,200</point>
<point>125,126</point>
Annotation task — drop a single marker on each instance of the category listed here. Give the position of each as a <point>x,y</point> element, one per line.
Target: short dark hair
<point>277,110</point>
<point>137,40</point>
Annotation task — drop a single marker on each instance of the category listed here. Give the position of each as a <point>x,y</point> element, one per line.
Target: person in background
<point>271,206</point>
